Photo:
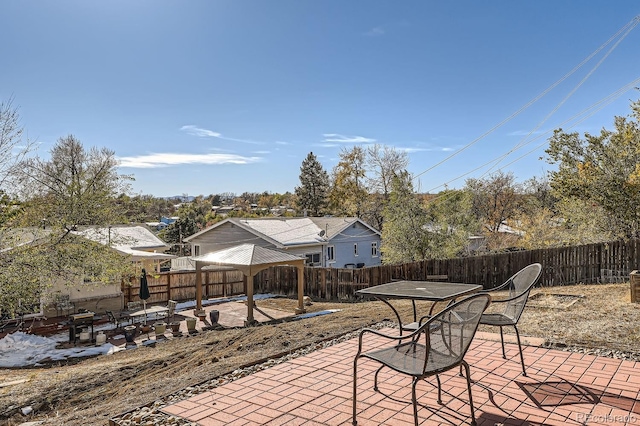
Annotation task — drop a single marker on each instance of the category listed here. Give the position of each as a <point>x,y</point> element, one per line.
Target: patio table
<point>151,310</point>
<point>431,291</point>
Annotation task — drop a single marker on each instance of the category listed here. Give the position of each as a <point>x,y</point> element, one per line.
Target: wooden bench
<point>437,278</point>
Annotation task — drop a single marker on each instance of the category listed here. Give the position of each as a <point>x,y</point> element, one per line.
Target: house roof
<point>286,232</point>
<point>137,241</point>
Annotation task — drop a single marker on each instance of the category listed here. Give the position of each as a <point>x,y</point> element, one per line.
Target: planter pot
<point>130,333</point>
<point>214,316</point>
<point>191,324</point>
<point>160,327</point>
<point>175,327</point>
<point>145,328</point>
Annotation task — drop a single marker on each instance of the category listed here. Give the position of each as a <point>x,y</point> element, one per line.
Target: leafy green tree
<point>199,211</point>
<point>348,190</point>
<point>451,223</point>
<point>176,232</point>
<point>314,186</point>
<point>603,170</point>
<point>144,208</point>
<point>405,236</point>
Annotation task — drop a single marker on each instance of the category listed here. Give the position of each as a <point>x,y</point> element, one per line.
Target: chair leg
<point>375,378</point>
<point>439,389</point>
<point>355,367</point>
<point>504,355</point>
<point>468,374</point>
<point>524,373</point>
<point>414,401</point>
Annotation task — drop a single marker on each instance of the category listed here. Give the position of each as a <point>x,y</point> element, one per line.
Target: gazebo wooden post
<point>248,284</point>
<point>300,309</point>
<point>198,286</point>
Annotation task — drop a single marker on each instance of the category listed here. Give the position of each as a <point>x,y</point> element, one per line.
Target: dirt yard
<point>94,390</point>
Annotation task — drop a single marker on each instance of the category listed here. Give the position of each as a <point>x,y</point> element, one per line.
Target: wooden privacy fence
<point>589,264</point>
<point>181,285</point>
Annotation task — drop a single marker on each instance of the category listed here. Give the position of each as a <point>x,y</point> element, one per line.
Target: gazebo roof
<point>249,258</point>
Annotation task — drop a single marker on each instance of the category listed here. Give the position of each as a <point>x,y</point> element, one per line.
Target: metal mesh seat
<point>438,345</point>
<point>511,308</point>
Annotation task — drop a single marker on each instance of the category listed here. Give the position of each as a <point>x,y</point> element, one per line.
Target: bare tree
<point>13,146</point>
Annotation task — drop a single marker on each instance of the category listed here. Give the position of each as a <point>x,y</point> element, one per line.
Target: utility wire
<point>631,24</point>
<point>586,113</point>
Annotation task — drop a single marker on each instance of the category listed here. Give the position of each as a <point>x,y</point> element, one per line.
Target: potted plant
<point>191,325</point>
<point>160,328</point>
<point>130,333</point>
<point>175,327</point>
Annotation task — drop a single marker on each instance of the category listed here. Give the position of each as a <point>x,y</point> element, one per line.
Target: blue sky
<point>204,97</point>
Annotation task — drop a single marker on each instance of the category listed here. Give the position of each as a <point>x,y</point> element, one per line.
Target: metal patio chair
<point>171,305</point>
<point>511,308</point>
<point>438,345</point>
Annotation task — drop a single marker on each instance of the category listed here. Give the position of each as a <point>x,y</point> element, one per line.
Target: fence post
<point>634,282</point>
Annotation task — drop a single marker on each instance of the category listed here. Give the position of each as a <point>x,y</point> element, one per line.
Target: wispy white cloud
<point>206,133</point>
<point>334,137</point>
<point>261,152</point>
<point>375,32</point>
<point>388,27</point>
<point>411,149</point>
<point>167,159</point>
<point>282,143</point>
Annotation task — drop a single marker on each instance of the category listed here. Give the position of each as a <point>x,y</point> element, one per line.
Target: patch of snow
<point>23,350</point>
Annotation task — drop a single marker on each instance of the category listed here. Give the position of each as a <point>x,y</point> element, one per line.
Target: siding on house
<point>344,242</point>
<point>228,234</point>
<point>298,236</point>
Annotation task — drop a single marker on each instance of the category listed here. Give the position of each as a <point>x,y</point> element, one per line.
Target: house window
<point>374,249</point>
<point>355,249</point>
<point>331,254</point>
<point>313,259</point>
<point>196,250</point>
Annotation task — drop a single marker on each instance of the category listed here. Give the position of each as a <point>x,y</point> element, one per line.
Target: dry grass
<point>92,391</point>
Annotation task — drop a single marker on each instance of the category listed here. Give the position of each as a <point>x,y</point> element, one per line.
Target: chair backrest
<point>134,306</point>
<point>63,300</point>
<point>172,307</point>
<point>519,289</point>
<point>451,331</point>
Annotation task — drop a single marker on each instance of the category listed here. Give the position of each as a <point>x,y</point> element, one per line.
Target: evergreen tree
<point>314,186</point>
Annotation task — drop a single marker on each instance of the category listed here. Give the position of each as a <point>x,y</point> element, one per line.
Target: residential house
<point>137,242</point>
<point>331,242</point>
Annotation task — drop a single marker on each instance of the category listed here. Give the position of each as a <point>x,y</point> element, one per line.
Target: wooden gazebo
<point>249,259</point>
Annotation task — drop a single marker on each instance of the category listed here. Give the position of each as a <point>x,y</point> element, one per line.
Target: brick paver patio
<point>562,388</point>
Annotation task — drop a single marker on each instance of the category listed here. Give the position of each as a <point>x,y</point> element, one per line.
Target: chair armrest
<point>499,288</point>
<point>409,336</point>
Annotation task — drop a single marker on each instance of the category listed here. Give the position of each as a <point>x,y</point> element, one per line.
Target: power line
<point>586,113</point>
<point>628,27</point>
